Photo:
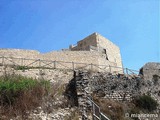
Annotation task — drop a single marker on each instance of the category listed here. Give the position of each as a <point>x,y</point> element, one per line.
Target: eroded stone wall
<point>85,43</point>
<point>80,59</point>
<point>19,53</point>
<point>52,75</point>
<point>117,87</point>
<point>112,51</point>
<point>73,56</point>
<point>96,42</point>
<point>94,49</point>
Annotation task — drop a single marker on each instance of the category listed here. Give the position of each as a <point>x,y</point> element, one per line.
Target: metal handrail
<point>94,111</point>
<point>75,63</point>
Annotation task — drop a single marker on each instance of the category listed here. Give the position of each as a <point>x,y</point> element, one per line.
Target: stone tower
<point>96,42</point>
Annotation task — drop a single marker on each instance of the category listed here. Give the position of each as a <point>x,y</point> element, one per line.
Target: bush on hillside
<point>20,94</point>
<point>146,102</point>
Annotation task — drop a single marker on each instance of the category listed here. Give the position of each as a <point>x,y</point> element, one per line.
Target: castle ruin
<point>96,42</point>
<point>94,49</point>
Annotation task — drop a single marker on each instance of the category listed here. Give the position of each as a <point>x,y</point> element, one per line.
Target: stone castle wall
<point>96,42</point>
<point>19,53</point>
<point>112,51</point>
<point>88,41</point>
<point>80,58</point>
<point>116,87</point>
<point>53,75</point>
<point>94,49</point>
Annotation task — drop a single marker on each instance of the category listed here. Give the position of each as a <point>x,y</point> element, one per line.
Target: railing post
<point>22,61</point>
<point>54,64</point>
<point>73,65</point>
<point>3,60</point>
<point>109,68</point>
<point>123,70</point>
<point>39,63</point>
<point>127,71</point>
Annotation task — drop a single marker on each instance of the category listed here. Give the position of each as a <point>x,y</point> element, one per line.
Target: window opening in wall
<point>104,51</point>
<point>106,57</point>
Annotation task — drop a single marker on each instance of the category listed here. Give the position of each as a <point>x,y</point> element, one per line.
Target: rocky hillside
<point>116,91</point>
<point>74,95</point>
<point>54,106</point>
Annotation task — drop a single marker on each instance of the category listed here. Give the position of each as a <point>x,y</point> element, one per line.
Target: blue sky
<point>47,25</point>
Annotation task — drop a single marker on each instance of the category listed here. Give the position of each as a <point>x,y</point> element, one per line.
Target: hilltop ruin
<point>94,49</point>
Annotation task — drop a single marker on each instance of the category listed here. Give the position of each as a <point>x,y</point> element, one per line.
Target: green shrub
<point>21,68</point>
<point>146,102</point>
<point>19,94</point>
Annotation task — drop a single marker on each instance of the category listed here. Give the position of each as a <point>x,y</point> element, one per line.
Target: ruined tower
<point>96,42</point>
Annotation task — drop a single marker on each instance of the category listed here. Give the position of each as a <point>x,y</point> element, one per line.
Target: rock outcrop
<point>151,71</point>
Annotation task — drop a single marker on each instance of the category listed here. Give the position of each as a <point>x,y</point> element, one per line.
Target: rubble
<point>118,87</point>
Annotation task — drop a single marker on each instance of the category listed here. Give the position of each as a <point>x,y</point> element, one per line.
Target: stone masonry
<point>119,87</point>
<point>96,42</point>
<point>94,49</point>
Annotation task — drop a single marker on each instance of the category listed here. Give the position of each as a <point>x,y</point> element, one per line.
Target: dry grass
<point>19,95</point>
<point>116,110</point>
<point>73,116</point>
<point>113,109</point>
